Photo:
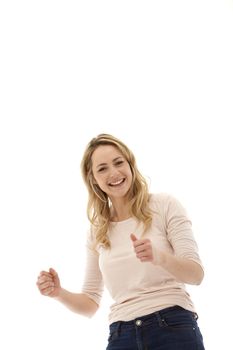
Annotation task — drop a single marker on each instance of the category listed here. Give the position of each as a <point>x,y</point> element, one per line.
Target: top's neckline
<point>122,221</point>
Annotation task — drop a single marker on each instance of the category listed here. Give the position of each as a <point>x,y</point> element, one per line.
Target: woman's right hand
<point>49,283</point>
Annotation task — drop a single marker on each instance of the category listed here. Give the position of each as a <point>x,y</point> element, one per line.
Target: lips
<point>117,183</point>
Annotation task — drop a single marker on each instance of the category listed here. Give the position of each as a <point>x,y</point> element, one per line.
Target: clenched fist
<point>49,283</point>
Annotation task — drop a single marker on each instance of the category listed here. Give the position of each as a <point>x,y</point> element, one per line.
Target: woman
<point>141,247</point>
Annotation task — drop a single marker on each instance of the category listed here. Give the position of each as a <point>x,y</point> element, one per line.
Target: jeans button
<point>138,322</point>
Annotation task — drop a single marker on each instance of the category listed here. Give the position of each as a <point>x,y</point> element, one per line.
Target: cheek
<point>100,181</point>
<point>129,175</point>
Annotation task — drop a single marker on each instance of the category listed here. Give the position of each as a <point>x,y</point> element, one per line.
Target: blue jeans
<point>173,328</point>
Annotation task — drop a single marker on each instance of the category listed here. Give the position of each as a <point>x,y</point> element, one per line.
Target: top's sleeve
<point>179,231</point>
<point>93,281</point>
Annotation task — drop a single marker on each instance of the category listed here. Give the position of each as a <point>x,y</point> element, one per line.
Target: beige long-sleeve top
<point>141,288</point>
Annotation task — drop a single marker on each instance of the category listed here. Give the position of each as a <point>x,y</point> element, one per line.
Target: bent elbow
<point>93,311</point>
<point>195,275</point>
<point>200,277</point>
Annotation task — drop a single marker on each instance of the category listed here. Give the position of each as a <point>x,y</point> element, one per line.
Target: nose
<point>113,173</point>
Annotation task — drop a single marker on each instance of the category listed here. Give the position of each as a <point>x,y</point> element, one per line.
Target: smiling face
<point>111,171</point>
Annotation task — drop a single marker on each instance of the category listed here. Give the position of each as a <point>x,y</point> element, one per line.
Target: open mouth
<point>117,183</point>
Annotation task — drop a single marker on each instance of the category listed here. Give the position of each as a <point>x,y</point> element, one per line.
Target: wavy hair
<point>98,207</point>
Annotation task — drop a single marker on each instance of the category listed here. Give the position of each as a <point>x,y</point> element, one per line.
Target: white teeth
<point>116,183</point>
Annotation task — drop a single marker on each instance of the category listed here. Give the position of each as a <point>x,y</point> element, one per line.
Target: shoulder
<point>91,238</point>
<point>160,199</point>
<point>164,201</point>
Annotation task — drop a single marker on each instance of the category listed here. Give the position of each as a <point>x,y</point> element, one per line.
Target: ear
<point>92,179</point>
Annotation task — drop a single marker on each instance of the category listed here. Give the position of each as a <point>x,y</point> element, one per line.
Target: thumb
<point>133,237</point>
<point>55,277</point>
<point>52,271</point>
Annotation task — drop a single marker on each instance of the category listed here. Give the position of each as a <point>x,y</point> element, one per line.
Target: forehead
<point>104,154</point>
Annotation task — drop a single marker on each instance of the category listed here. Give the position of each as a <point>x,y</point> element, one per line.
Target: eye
<point>119,162</point>
<point>101,169</point>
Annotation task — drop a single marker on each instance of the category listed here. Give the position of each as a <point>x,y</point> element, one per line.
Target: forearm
<point>184,270</point>
<point>77,302</point>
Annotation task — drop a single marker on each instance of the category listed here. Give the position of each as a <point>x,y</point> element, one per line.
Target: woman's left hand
<point>144,250</point>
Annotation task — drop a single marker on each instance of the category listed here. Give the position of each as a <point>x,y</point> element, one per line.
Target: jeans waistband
<point>158,314</point>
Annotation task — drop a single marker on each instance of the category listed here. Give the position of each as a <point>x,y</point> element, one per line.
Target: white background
<point>156,74</point>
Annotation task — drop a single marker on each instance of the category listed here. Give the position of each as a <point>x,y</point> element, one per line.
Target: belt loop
<point>118,328</point>
<point>160,319</point>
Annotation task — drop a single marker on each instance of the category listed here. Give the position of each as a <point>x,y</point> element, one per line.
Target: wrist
<point>159,257</point>
<point>60,294</point>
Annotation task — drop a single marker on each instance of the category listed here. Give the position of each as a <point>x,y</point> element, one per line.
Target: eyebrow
<point>101,164</point>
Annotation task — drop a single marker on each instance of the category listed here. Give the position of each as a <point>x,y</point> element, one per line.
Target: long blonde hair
<point>98,207</point>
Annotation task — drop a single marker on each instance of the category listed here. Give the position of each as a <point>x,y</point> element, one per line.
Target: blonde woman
<point>141,247</point>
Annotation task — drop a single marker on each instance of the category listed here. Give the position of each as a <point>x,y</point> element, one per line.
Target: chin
<point>123,194</point>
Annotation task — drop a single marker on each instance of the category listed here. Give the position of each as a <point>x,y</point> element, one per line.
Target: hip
<point>171,328</point>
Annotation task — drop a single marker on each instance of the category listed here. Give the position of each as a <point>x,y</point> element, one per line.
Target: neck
<point>119,210</point>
